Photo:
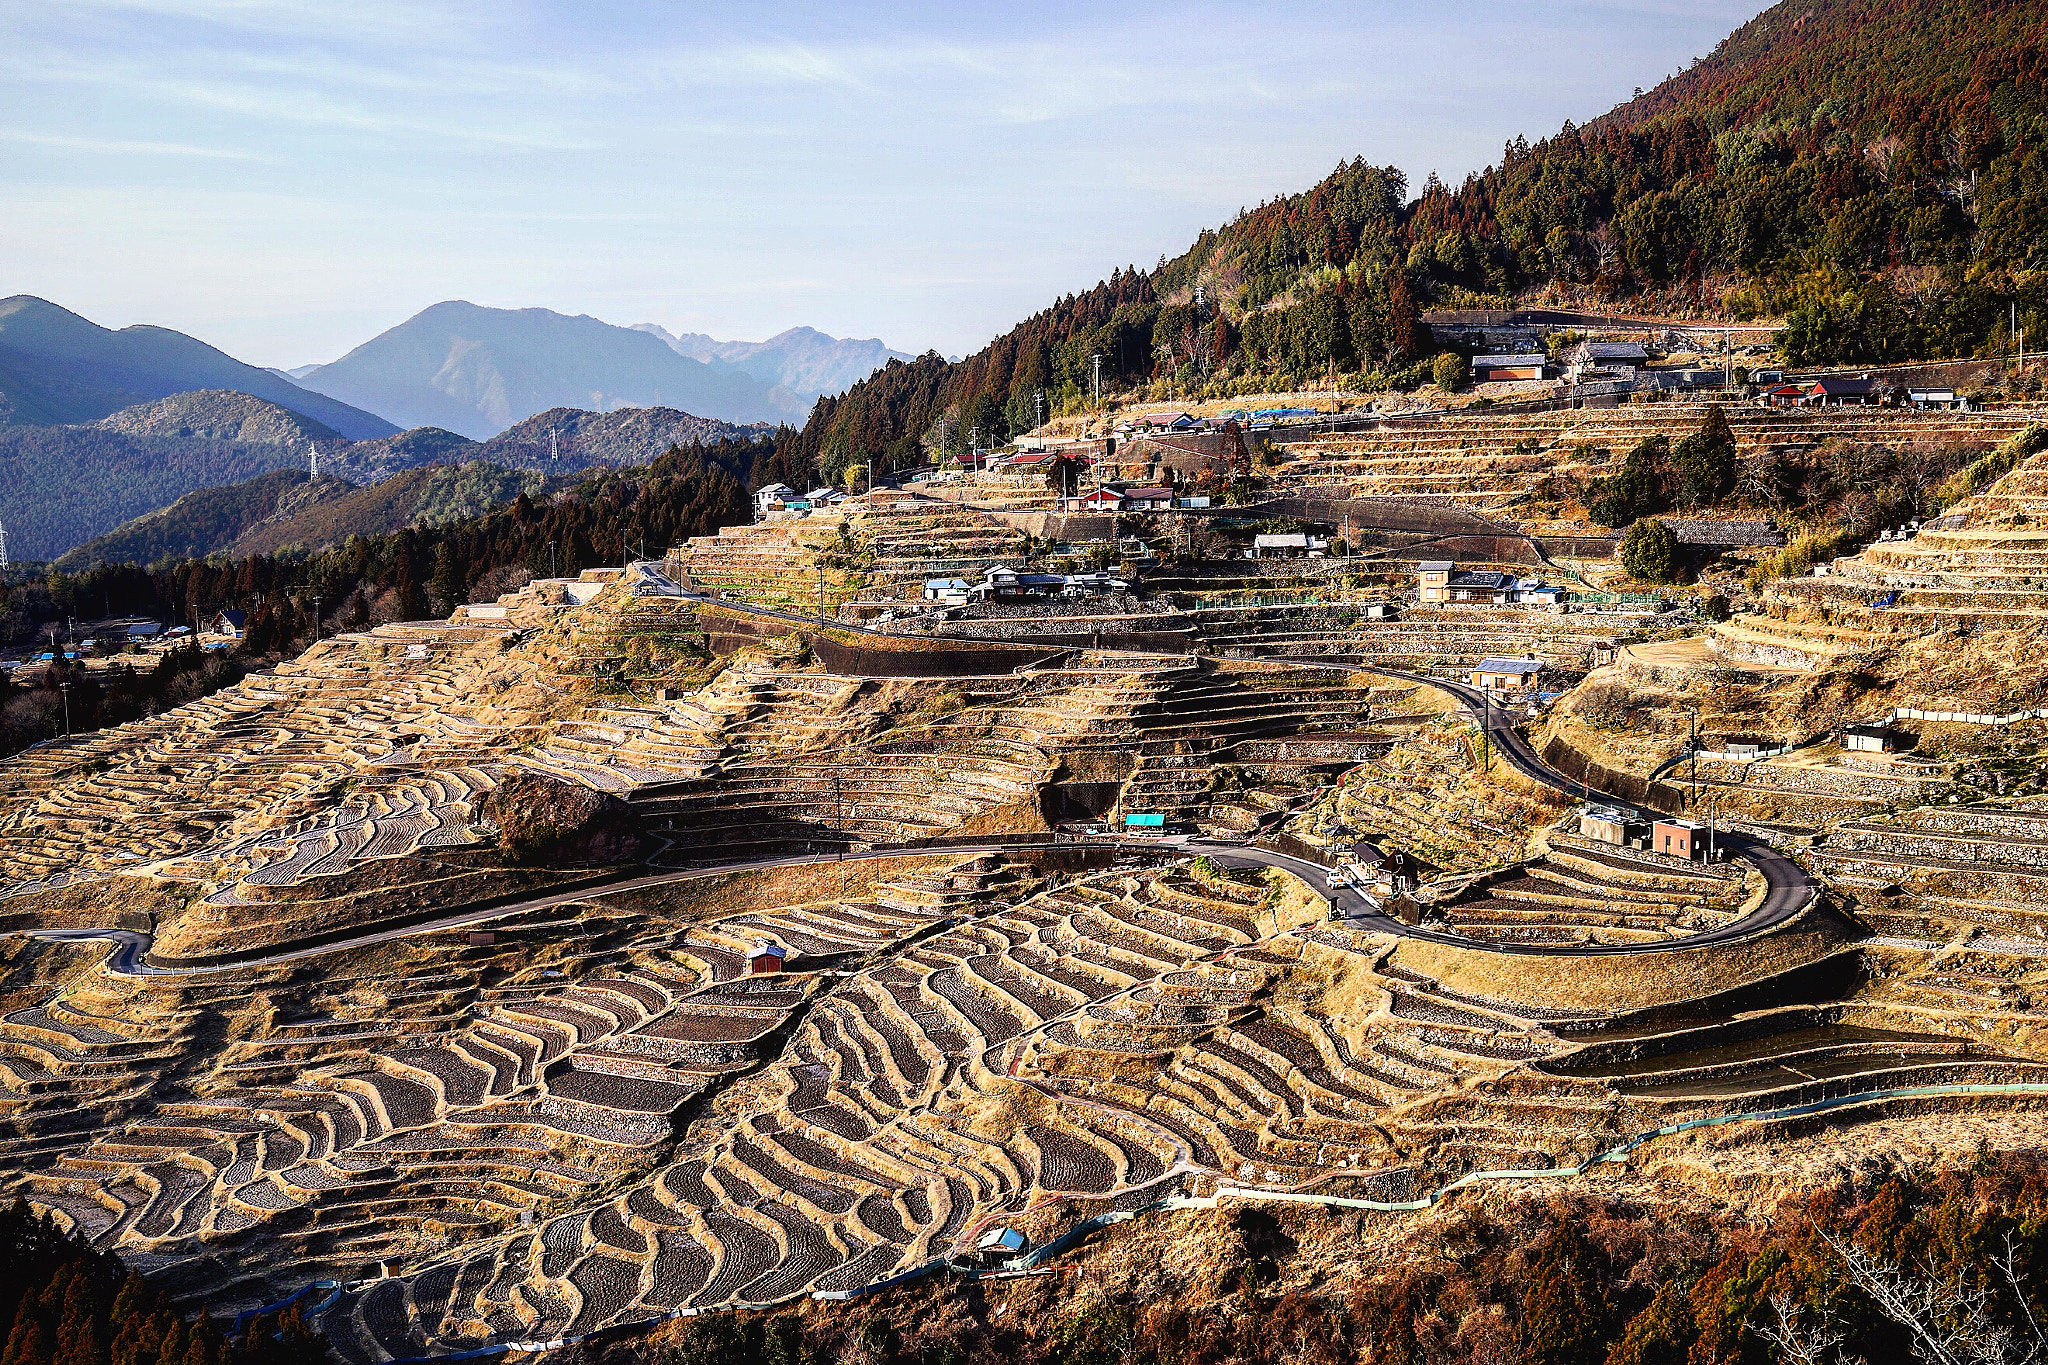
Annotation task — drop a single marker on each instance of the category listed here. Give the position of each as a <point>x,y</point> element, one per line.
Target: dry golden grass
<point>1625,981</point>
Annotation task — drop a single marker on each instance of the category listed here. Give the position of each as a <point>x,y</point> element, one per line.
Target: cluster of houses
<point>1001,583</point>
<point>1670,836</point>
<point>1859,392</point>
<point>779,499</point>
<point>1584,363</point>
<point>1595,370</point>
<point>1250,420</point>
<point>1440,580</point>
<point>1149,498</point>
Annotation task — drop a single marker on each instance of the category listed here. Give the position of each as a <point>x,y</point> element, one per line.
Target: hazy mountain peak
<point>800,362</point>
<point>57,367</point>
<point>478,370</point>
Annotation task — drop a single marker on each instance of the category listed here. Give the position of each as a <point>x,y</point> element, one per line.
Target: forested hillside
<point>62,1303</point>
<point>571,440</point>
<point>433,495</point>
<point>1873,175</point>
<point>60,486</point>
<point>221,415</point>
<point>286,509</point>
<point>201,523</point>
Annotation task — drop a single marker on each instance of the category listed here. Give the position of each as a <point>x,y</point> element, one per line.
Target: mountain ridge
<point>477,371</point>
<point>60,368</point>
<point>801,362</point>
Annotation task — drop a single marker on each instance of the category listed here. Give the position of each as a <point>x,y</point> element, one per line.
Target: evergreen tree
<point>1706,462</point>
<point>1564,1314</point>
<point>1637,489</point>
<point>1650,552</point>
<point>1663,1332</point>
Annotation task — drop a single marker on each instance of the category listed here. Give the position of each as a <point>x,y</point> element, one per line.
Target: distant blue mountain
<point>479,370</point>
<point>801,363</point>
<point>59,368</point>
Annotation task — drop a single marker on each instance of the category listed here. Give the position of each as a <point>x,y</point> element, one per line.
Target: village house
<point>1611,825</point>
<point>1289,545</point>
<point>229,622</point>
<point>1938,398</point>
<point>1507,675</point>
<point>1433,580</point>
<point>1604,360</point>
<point>1495,369</point>
<point>1479,585</point>
<point>1003,583</point>
<point>1869,739</point>
<point>1679,838</point>
<point>771,498</point>
<point>1843,393</point>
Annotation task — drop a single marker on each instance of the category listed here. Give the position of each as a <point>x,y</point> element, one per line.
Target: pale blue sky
<point>286,179</point>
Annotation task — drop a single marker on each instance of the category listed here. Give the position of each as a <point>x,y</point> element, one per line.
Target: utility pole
<point>316,618</point>
<point>821,592</point>
<point>838,821</point>
<point>65,687</point>
<point>551,560</point>
<point>1038,405</point>
<point>1096,360</point>
<point>1694,712</point>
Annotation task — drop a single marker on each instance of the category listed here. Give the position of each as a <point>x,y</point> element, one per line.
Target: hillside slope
<point>1873,175</point>
<point>205,522</point>
<point>61,486</point>
<point>221,415</point>
<point>284,509</point>
<point>567,440</point>
<point>57,367</point>
<point>478,370</point>
<point>370,461</point>
<point>433,495</point>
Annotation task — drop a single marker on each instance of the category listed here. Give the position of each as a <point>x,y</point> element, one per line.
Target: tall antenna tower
<point>555,444</point>
<point>312,460</point>
<point>3,544</point>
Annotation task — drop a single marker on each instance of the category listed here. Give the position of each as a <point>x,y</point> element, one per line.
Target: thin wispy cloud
<point>123,147</point>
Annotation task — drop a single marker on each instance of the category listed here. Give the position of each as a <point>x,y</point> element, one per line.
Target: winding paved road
<point>1790,888</point>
